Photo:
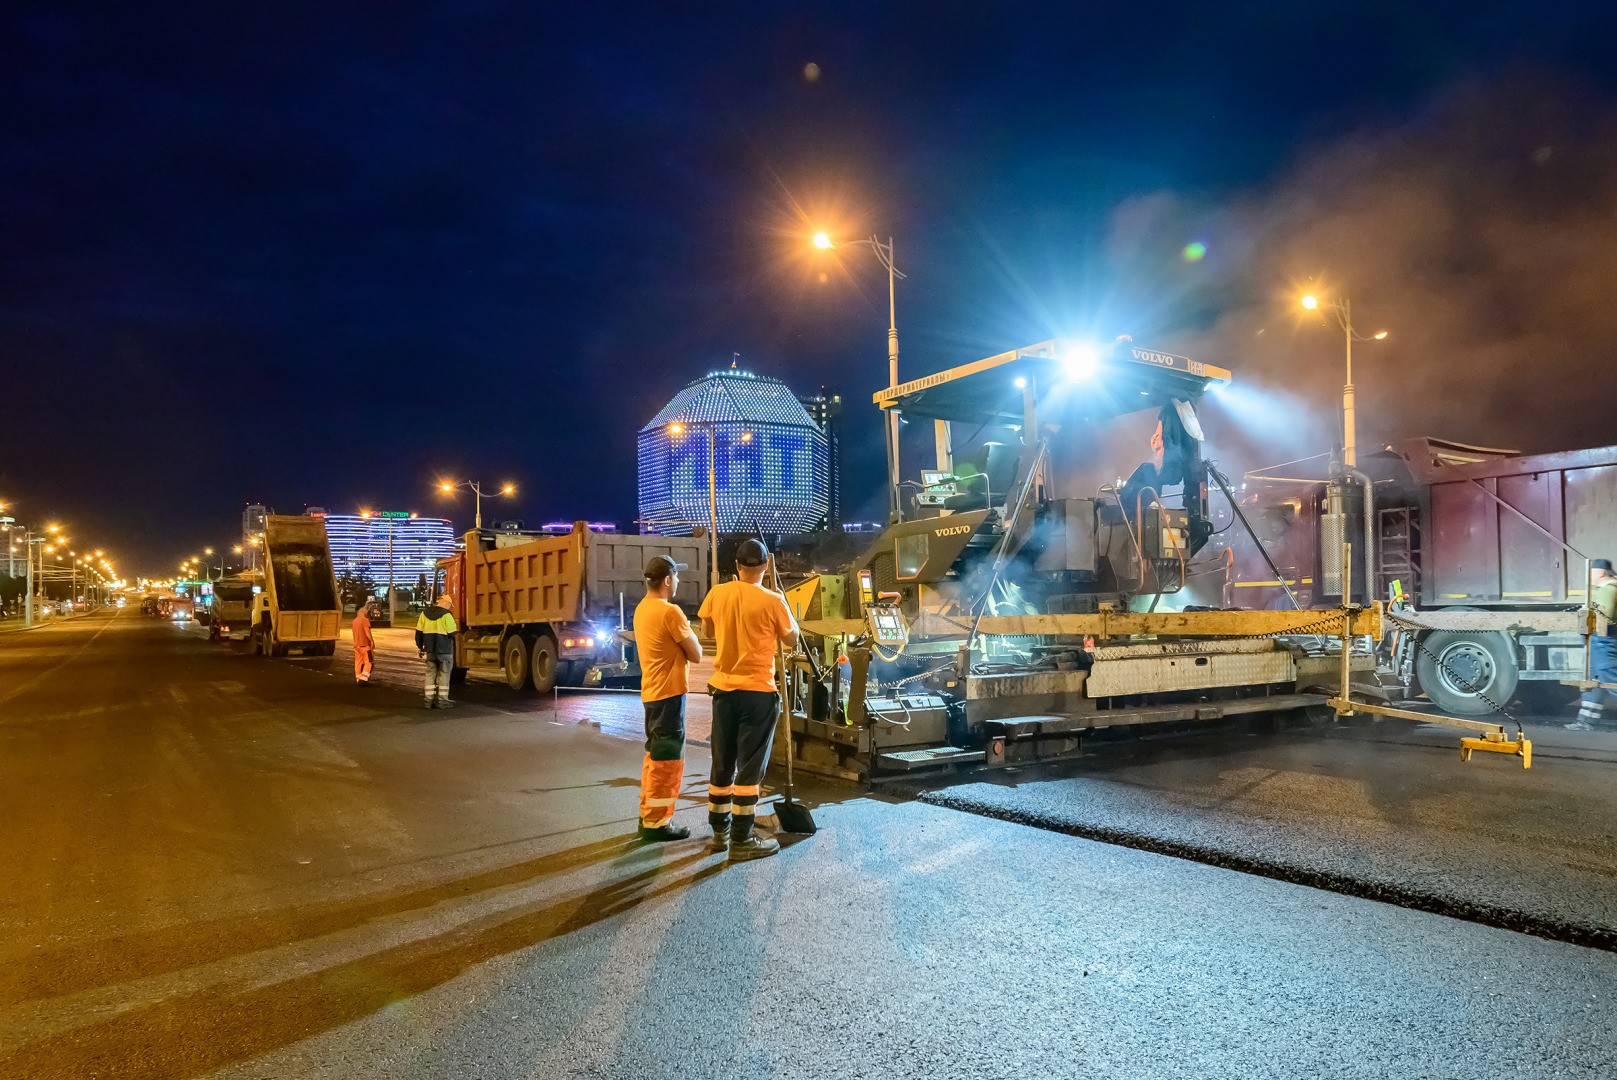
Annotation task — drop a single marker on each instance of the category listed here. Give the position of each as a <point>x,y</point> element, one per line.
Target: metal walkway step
<point>928,758</point>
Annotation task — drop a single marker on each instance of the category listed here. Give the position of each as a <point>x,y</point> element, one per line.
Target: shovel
<point>793,816</point>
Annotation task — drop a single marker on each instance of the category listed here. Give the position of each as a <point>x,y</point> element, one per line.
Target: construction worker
<point>364,644</point>
<point>748,622</point>
<point>435,641</point>
<point>666,646</point>
<point>1602,649</point>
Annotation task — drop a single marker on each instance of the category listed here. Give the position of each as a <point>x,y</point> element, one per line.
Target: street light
<point>678,428</point>
<point>448,486</point>
<point>884,255</point>
<point>1343,311</point>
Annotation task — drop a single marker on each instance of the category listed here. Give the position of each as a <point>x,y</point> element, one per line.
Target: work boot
<point>663,833</point>
<point>445,703</point>
<point>429,703</point>
<point>719,840</point>
<point>752,848</point>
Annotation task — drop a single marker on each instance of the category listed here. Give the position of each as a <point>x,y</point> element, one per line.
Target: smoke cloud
<point>1480,234</point>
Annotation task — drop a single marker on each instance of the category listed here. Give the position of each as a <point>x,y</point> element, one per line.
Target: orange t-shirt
<point>747,622</point>
<point>659,627</point>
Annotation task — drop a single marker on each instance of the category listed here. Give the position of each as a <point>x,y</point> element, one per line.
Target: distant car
<point>119,602</point>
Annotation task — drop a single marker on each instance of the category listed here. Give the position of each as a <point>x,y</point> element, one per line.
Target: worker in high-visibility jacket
<point>364,645</point>
<point>435,640</point>
<point>1602,649</point>
<point>666,647</point>
<point>748,623</point>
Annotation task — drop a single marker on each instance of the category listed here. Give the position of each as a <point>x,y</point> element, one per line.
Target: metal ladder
<point>1399,544</point>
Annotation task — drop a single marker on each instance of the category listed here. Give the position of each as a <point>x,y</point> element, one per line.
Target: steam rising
<point>1482,234</point>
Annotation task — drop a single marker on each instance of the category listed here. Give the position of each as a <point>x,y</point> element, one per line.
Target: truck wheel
<point>518,667</point>
<point>277,648</point>
<point>457,675</point>
<point>256,640</point>
<point>326,648</point>
<point>1463,670</point>
<point>544,664</point>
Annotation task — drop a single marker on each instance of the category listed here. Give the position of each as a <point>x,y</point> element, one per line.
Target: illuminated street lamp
<point>1343,311</point>
<point>678,428</point>
<point>448,486</point>
<point>884,255</point>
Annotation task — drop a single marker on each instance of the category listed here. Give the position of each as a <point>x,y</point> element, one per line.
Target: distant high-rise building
<point>766,455</point>
<point>252,534</point>
<point>825,409</point>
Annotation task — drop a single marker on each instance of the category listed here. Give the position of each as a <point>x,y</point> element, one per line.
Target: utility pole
<point>392,604</point>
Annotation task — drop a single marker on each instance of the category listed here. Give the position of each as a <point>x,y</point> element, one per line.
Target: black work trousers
<point>743,729</point>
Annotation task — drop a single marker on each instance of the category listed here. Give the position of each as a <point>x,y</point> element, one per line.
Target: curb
<point>1589,935</point>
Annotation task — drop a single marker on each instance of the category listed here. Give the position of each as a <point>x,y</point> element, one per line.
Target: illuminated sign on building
<point>745,442</point>
<point>359,545</point>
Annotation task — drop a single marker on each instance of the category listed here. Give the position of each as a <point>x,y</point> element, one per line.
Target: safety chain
<point>1410,624</point>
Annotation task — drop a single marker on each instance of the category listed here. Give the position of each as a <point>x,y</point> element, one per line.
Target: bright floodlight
<point>1380,334</point>
<point>509,489</point>
<point>1080,361</point>
<point>821,240</point>
<point>677,429</point>
<point>1310,302</point>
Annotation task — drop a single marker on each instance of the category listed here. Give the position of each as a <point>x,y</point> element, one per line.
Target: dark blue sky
<point>326,253</point>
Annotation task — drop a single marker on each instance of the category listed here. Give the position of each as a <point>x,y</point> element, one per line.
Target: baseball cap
<point>660,566</point>
<point>1601,564</point>
<point>752,553</point>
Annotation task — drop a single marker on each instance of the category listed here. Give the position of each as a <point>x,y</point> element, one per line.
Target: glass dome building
<point>770,462</point>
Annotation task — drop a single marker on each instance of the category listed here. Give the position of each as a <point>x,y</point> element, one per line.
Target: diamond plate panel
<point>1145,675</point>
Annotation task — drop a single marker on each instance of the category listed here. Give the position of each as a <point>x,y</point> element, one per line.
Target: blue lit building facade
<point>359,546</point>
<point>771,471</point>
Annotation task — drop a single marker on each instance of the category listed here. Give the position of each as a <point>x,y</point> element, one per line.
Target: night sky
<point>325,254</point>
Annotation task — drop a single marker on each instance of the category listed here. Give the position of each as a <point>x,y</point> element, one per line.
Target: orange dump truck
<point>546,608</point>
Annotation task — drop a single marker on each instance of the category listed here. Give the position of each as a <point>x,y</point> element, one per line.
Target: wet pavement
<point>220,865</point>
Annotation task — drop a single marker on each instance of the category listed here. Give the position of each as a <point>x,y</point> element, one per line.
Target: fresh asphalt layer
<point>223,865</point>
<point>1384,811</point>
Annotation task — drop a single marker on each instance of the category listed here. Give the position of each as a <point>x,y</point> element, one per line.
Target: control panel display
<point>887,625</point>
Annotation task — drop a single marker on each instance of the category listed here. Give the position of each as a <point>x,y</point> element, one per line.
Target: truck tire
<point>326,648</point>
<point>518,664</point>
<point>1462,671</point>
<point>544,663</point>
<point>255,639</point>
<point>457,675</point>
<point>277,648</point>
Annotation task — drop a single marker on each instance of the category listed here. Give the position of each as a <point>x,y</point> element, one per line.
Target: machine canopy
<point>1091,382</point>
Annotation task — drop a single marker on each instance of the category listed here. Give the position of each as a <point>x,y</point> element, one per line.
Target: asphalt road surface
<point>224,865</point>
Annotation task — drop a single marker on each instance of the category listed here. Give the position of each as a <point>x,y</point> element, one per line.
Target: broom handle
<point>780,680</point>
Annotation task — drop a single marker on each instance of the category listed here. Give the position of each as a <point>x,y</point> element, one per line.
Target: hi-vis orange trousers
<point>664,768</point>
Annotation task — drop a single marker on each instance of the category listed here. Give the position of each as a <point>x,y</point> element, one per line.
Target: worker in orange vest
<point>364,645</point>
<point>747,623</point>
<point>666,647</point>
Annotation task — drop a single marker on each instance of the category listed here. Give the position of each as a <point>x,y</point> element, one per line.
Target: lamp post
<point>1343,311</point>
<point>450,485</point>
<point>884,255</point>
<point>678,428</point>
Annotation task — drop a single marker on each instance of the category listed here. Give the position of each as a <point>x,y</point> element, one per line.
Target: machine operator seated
<point>974,480</point>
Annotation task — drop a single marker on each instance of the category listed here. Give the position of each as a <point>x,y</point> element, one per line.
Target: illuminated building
<point>770,459</point>
<point>825,409</point>
<point>359,545</point>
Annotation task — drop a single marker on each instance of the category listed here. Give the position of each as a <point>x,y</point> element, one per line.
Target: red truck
<point>1489,547</point>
